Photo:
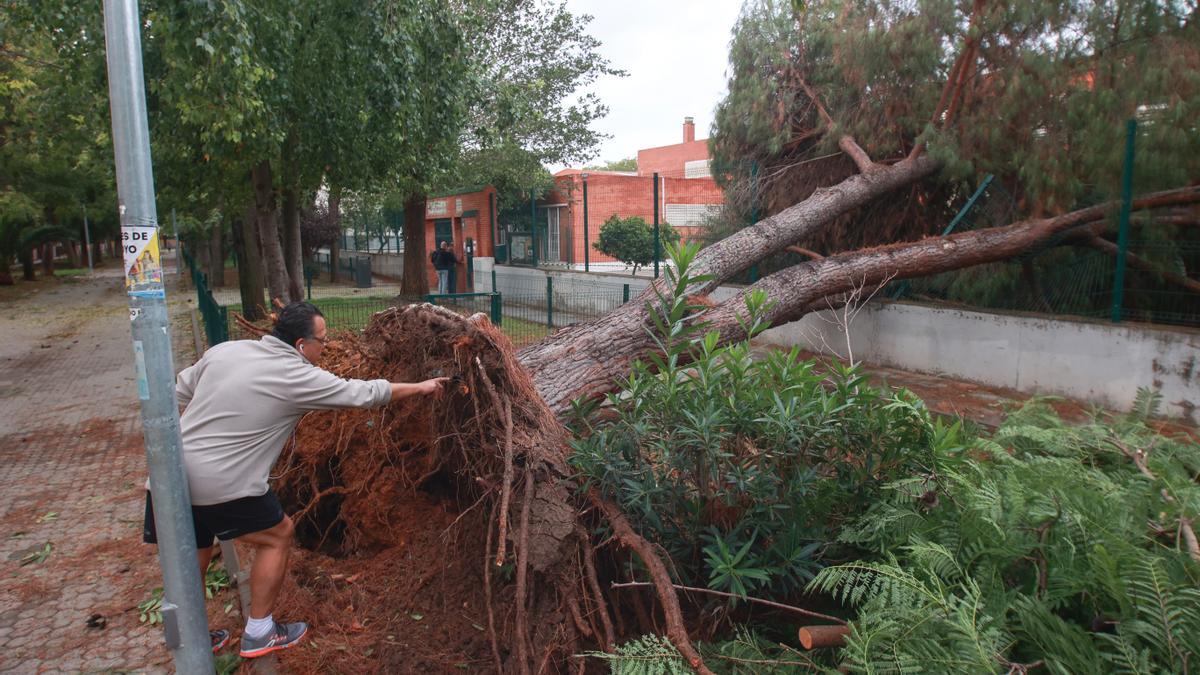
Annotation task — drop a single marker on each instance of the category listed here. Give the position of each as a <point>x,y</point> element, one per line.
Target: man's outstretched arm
<point>405,389</point>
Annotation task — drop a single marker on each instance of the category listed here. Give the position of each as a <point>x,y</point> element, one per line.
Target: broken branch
<point>723,594</point>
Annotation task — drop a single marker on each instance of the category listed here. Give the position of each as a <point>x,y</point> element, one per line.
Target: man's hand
<point>433,386</point>
<point>428,387</point>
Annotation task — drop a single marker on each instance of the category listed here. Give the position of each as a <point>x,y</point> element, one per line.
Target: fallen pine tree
<point>475,509</point>
<point>530,536</point>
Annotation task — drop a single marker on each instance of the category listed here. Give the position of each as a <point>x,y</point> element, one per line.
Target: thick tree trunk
<point>201,253</point>
<point>415,281</point>
<point>249,260</point>
<point>335,214</point>
<point>268,232</point>
<point>97,253</point>
<point>602,350</point>
<point>216,258</point>
<point>6,277</point>
<point>293,255</point>
<point>47,259</point>
<point>83,247</point>
<point>27,268</point>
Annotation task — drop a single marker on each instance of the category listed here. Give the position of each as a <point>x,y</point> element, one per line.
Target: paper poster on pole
<point>143,265</point>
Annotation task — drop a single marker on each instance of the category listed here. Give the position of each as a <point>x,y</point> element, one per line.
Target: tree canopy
<point>627,164</point>
<point>1039,95</point>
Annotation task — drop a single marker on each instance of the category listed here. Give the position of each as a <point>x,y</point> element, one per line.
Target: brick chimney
<point>689,130</point>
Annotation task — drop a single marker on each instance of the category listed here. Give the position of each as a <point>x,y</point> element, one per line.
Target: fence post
<point>657,244</point>
<point>308,281</point>
<point>494,275</point>
<point>586,239</point>
<point>497,305</point>
<point>549,301</point>
<point>625,294</point>
<point>1123,233</point>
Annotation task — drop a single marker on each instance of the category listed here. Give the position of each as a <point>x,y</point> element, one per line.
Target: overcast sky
<point>675,52</point>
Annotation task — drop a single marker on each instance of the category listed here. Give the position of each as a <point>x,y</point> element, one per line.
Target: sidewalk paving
<point>72,467</point>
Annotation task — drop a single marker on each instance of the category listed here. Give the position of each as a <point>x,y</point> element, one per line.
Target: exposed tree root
<point>350,475</point>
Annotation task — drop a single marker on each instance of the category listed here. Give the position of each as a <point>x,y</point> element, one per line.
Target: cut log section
<point>815,637</point>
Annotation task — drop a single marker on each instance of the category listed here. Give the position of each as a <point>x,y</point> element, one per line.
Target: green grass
<point>523,332</point>
<point>71,272</point>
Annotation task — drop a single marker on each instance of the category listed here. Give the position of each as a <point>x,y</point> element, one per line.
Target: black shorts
<point>224,521</point>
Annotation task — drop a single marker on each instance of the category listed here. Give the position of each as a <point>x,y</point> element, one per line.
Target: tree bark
<point>335,213</point>
<point>249,260</point>
<point>216,258</point>
<point>268,232</point>
<point>293,255</point>
<point>27,268</point>
<point>48,259</point>
<point>415,281</point>
<point>602,350</point>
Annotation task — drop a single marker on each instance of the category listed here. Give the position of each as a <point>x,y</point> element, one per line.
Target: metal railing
<point>215,317</point>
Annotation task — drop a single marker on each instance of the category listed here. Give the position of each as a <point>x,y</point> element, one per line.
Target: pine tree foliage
<point>1045,544</point>
<point>1037,94</point>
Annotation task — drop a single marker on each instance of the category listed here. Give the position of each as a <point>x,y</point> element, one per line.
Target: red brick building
<point>682,202</point>
<point>686,195</point>
<point>465,219</point>
<point>688,159</point>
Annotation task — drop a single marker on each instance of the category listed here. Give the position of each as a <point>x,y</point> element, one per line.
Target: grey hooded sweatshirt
<point>243,400</point>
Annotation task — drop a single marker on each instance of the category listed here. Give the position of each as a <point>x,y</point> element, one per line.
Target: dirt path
<point>981,404</point>
<point>71,470</point>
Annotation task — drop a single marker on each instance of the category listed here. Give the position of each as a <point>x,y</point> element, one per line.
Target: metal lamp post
<point>184,618</point>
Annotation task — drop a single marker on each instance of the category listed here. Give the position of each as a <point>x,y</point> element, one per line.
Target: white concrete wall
<point>1096,362</point>
<point>1100,363</point>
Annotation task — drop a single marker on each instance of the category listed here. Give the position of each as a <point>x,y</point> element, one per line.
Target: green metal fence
<point>525,316</point>
<point>1146,275</point>
<point>215,317</point>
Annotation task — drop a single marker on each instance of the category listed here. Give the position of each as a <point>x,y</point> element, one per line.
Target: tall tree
<point>55,155</point>
<point>530,61</point>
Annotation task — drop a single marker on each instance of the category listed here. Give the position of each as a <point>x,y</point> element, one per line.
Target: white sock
<point>257,628</point>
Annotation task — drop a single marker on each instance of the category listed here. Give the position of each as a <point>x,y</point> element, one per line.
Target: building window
<point>700,168</point>
<point>690,215</point>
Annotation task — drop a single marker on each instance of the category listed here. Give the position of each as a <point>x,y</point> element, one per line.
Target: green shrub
<point>743,468</point>
<point>631,240</point>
